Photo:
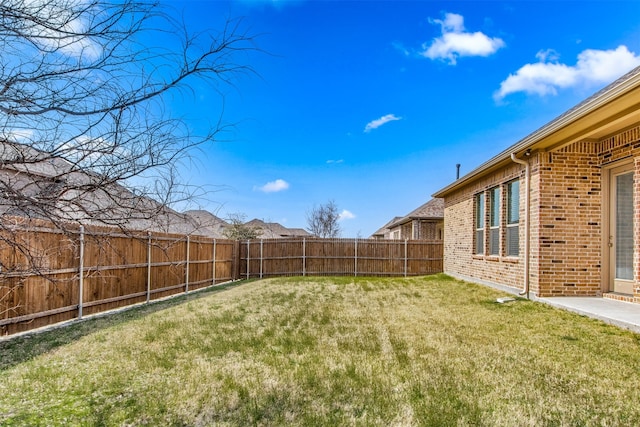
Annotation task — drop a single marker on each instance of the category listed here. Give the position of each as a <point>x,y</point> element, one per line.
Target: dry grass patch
<point>331,351</point>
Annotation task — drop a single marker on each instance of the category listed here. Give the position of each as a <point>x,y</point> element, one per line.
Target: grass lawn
<point>327,351</point>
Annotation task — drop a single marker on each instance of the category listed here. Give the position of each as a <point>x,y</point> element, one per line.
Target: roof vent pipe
<point>457,171</point>
<point>527,197</point>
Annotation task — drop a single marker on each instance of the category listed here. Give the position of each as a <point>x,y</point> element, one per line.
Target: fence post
<point>186,285</point>
<point>405,257</point>
<point>214,262</point>
<point>81,273</point>
<point>148,266</point>
<point>235,263</point>
<point>355,263</point>
<point>304,257</point>
<point>248,257</point>
<point>261,258</point>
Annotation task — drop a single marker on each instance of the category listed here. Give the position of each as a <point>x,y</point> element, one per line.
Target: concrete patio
<point>619,313</point>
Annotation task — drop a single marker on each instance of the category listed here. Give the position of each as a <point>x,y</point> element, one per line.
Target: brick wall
<point>569,222</point>
<point>636,231</point>
<point>419,229</point>
<point>428,229</point>
<point>566,217</point>
<point>459,233</point>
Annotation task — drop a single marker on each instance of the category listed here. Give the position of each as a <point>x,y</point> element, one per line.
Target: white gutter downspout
<point>527,173</point>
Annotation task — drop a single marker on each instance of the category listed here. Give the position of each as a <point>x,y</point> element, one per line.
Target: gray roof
<point>385,228</point>
<point>207,223</point>
<point>274,230</point>
<point>433,209</point>
<point>36,184</point>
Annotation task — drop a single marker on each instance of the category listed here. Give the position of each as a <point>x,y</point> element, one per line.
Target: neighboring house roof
<point>273,230</point>
<point>207,223</point>
<point>384,230</point>
<point>614,107</point>
<point>35,184</point>
<point>433,209</point>
<point>298,232</point>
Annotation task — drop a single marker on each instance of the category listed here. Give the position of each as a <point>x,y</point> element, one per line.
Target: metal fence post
<point>148,266</point>
<point>81,274</point>
<point>186,285</point>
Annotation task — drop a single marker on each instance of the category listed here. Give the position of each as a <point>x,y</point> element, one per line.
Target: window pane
<point>624,226</point>
<point>513,204</point>
<point>513,241</point>
<point>495,207</point>
<point>480,241</point>
<point>480,211</point>
<point>494,241</point>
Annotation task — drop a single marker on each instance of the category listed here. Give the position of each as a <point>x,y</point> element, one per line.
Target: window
<point>494,221</point>
<point>479,222</point>
<point>513,218</point>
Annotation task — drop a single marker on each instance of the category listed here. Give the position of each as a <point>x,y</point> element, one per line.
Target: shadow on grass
<point>22,348</point>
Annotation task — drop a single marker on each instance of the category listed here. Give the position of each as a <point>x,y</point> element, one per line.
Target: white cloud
<point>455,42</point>
<point>19,135</point>
<point>374,124</point>
<point>65,31</point>
<point>547,55</point>
<point>548,75</point>
<point>345,214</point>
<point>332,162</point>
<point>273,186</point>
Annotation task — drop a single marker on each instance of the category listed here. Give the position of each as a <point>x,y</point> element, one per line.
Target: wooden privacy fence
<point>49,276</point>
<point>339,257</point>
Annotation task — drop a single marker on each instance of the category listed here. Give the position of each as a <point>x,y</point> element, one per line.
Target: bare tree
<point>323,220</point>
<point>85,137</point>
<point>84,132</point>
<point>239,230</point>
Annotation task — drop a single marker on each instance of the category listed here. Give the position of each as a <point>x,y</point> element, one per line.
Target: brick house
<point>384,232</point>
<point>423,223</point>
<point>557,213</point>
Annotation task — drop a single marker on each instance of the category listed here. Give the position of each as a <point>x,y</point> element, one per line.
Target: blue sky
<point>372,104</point>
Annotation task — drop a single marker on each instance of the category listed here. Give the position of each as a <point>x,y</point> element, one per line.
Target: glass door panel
<point>621,232</point>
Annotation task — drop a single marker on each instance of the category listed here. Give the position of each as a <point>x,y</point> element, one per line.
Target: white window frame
<point>479,223</point>
<point>494,206</point>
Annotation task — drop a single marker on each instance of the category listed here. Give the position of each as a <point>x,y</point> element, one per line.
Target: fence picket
<point>53,276</point>
<point>115,269</point>
<point>354,257</point>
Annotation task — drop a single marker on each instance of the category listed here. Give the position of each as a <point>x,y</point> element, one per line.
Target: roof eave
<point>615,91</point>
